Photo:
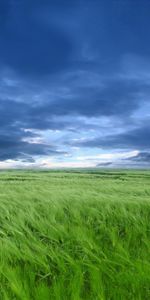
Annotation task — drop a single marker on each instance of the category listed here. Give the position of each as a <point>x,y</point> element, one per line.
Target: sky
<point>74,83</point>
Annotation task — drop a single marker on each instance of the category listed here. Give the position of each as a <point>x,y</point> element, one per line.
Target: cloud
<point>138,138</point>
<point>142,157</point>
<point>16,142</point>
<point>78,68</point>
<point>104,164</point>
<point>133,160</point>
<point>36,49</point>
<point>25,151</point>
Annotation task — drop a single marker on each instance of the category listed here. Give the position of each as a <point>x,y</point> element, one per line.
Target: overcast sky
<point>74,83</point>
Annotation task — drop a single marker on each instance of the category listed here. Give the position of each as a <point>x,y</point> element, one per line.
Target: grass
<point>75,235</point>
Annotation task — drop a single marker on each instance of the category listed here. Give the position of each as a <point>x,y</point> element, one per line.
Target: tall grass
<point>75,236</point>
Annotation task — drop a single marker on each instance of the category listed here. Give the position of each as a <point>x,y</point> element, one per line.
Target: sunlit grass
<point>71,236</point>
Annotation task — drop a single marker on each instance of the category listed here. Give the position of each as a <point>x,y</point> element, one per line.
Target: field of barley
<point>75,235</point>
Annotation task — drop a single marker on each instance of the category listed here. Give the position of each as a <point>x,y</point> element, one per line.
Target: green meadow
<point>75,235</point>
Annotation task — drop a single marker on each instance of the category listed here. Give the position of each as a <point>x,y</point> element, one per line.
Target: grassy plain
<point>82,235</point>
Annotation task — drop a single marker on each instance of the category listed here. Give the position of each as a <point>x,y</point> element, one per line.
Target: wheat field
<point>75,235</point>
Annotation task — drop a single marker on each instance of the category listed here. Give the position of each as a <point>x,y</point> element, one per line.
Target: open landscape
<point>74,150</point>
<point>75,235</point>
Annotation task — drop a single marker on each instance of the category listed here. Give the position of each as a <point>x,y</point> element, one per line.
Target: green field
<point>75,235</point>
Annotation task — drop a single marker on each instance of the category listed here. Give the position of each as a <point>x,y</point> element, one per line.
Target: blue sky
<point>74,83</point>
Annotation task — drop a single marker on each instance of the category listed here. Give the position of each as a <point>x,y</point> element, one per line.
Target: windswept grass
<point>75,235</point>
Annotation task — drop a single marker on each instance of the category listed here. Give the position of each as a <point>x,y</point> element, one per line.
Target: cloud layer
<point>74,82</point>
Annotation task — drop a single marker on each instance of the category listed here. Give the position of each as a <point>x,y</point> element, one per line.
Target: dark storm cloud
<point>138,138</point>
<point>61,61</point>
<point>141,157</point>
<point>141,160</point>
<point>14,144</point>
<point>25,151</point>
<point>103,165</point>
<point>12,112</point>
<point>28,46</point>
<point>38,38</point>
<point>117,98</point>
